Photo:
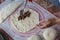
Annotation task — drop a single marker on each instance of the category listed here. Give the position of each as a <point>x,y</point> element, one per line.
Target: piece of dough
<point>26,24</point>
<point>34,37</point>
<point>8,9</point>
<point>50,34</point>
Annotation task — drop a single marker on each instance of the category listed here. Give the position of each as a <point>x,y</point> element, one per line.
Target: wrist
<point>58,21</point>
<point>52,21</point>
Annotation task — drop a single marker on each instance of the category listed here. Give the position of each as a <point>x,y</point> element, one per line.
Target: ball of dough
<point>34,37</point>
<point>50,34</point>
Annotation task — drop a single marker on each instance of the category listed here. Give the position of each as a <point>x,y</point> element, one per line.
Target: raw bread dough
<point>50,34</point>
<point>26,24</point>
<point>34,37</point>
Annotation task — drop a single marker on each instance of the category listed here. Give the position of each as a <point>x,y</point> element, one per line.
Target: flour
<point>8,9</point>
<point>28,23</point>
<point>50,34</point>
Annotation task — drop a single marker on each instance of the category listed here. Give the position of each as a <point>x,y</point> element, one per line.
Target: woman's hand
<point>47,23</point>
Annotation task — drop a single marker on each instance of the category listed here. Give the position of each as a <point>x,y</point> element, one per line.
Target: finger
<point>43,26</point>
<point>42,21</point>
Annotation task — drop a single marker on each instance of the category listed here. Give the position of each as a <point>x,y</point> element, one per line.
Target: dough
<point>26,24</point>
<point>8,9</point>
<point>34,37</point>
<point>50,34</point>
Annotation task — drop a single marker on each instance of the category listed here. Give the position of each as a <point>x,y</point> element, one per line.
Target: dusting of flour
<point>28,23</point>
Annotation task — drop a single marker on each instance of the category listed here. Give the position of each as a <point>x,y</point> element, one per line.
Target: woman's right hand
<point>47,23</point>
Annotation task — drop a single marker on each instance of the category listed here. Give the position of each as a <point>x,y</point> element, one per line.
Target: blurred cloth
<point>56,3</point>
